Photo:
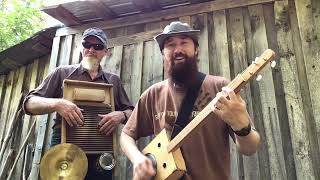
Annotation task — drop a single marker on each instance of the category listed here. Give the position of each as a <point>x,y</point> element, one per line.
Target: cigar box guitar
<point>166,155</point>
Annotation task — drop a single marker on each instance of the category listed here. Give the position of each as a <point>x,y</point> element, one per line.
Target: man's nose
<point>178,49</point>
<point>91,49</point>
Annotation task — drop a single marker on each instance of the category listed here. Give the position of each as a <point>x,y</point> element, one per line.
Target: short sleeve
<point>121,98</point>
<point>51,87</point>
<point>140,123</point>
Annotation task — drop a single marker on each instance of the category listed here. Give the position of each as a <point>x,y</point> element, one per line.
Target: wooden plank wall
<point>16,82</point>
<point>284,104</point>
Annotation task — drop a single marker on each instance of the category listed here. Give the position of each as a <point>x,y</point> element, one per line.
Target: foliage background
<point>19,20</point>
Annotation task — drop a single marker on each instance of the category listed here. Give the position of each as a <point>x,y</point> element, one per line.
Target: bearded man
<point>206,152</point>
<point>47,97</point>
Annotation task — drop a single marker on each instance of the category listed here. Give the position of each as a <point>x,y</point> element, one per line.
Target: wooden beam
<point>75,58</point>
<point>117,3</point>
<point>133,39</point>
<point>65,50</point>
<point>39,47</point>
<point>10,64</point>
<point>195,1</point>
<point>162,15</point>
<point>45,41</point>
<point>2,89</point>
<point>101,9</point>
<point>147,5</point>
<point>63,15</point>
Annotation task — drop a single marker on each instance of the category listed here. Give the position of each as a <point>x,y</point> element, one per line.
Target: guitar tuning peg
<point>256,60</point>
<point>273,64</point>
<point>259,77</point>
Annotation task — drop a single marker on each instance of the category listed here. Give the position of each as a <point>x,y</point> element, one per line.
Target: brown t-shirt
<point>206,153</point>
<point>52,86</point>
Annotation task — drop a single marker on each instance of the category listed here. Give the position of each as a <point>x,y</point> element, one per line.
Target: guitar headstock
<point>258,64</point>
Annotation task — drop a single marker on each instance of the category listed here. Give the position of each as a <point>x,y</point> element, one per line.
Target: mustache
<point>91,54</point>
<point>180,55</point>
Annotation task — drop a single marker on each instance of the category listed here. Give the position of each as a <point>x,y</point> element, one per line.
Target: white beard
<point>90,63</point>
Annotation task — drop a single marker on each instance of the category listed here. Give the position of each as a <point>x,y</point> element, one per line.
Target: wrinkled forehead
<point>177,37</point>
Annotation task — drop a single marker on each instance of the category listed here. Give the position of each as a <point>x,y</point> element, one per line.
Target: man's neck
<point>93,72</point>
<point>176,85</point>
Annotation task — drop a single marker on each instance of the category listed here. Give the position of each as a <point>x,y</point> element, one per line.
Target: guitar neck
<point>236,84</point>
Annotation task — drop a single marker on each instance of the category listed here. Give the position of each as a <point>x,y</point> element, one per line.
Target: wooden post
<point>288,67</point>
<point>266,98</point>
<point>12,124</point>
<point>6,105</point>
<point>24,143</point>
<point>43,119</point>
<point>30,82</point>
<point>6,164</point>
<point>249,166</point>
<point>200,22</point>
<point>306,11</point>
<point>41,127</point>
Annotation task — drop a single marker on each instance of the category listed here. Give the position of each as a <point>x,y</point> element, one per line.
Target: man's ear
<point>108,52</point>
<point>161,52</point>
<point>196,51</point>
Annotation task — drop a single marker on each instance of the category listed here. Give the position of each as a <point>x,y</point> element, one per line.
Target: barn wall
<point>284,104</point>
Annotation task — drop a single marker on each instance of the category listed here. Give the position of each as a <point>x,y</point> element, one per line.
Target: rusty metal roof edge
<point>17,49</point>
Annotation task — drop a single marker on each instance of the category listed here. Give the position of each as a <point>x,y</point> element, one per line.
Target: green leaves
<point>19,19</point>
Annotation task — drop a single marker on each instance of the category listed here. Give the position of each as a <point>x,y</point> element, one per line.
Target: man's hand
<point>143,169</point>
<point>110,121</point>
<point>69,112</point>
<point>232,110</point>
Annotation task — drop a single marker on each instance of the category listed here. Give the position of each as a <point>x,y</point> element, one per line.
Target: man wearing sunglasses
<point>47,97</point>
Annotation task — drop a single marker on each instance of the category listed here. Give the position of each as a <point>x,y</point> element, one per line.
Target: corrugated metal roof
<point>25,52</point>
<point>83,12</point>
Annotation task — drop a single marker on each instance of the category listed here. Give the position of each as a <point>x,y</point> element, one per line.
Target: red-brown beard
<point>183,74</point>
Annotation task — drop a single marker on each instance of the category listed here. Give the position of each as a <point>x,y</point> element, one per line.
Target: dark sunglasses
<point>96,47</point>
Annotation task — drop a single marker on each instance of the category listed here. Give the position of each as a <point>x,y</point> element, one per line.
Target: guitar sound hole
<point>164,165</point>
<point>159,145</point>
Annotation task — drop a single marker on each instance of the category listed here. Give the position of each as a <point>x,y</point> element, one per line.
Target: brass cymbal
<point>64,162</point>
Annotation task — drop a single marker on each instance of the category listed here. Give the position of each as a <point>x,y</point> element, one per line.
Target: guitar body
<point>170,165</point>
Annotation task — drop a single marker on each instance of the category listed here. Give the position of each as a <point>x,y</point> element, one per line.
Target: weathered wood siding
<point>285,104</point>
